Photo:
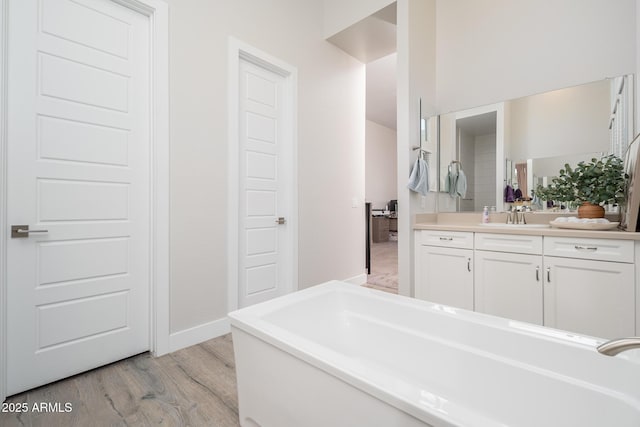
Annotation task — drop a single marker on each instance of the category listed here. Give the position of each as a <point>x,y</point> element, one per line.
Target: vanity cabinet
<point>508,276</point>
<point>587,286</point>
<point>445,274</point>
<point>590,289</point>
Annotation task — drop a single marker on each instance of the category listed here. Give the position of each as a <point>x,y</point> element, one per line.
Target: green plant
<point>599,181</point>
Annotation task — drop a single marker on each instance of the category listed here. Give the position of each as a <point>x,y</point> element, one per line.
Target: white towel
<point>419,178</point>
<point>461,184</point>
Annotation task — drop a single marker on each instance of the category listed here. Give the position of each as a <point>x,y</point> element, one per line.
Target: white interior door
<point>265,264</point>
<point>78,167</point>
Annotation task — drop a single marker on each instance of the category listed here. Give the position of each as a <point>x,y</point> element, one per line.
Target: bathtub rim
<point>250,320</point>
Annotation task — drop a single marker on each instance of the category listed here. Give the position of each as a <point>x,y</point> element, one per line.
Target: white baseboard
<point>198,334</point>
<point>360,279</point>
<point>207,331</point>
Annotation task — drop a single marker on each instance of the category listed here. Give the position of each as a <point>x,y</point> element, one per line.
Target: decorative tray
<point>584,225</point>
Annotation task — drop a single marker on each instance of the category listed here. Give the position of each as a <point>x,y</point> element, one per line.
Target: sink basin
<point>503,225</point>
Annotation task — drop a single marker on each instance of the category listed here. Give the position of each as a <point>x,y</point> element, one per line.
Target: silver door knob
<point>280,220</point>
<point>20,231</point>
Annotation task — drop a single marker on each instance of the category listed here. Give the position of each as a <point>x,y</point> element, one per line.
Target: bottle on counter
<point>485,215</point>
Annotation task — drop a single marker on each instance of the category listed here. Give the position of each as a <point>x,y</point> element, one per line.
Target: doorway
<point>381,182</point>
<point>476,152</point>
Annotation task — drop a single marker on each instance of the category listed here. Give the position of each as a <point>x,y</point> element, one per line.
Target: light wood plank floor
<point>195,386</point>
<point>384,267</point>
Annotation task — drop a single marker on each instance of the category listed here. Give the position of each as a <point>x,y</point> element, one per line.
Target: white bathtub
<point>342,355</point>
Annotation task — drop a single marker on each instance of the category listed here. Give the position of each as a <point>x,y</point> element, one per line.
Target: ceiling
<point>373,42</point>
<point>481,124</point>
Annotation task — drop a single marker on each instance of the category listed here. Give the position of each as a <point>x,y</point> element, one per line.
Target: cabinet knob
<point>549,274</point>
<point>537,273</point>
<point>469,265</point>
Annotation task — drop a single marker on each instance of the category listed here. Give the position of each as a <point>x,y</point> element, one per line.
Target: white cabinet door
<point>509,285</point>
<point>589,297</point>
<point>446,276</point>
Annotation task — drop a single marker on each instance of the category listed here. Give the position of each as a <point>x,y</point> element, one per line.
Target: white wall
<point>381,176</point>
<point>514,48</point>
<point>637,69</point>
<point>416,79</point>
<point>467,156</point>
<point>484,193</point>
<point>331,126</point>
<point>448,151</point>
<point>341,14</point>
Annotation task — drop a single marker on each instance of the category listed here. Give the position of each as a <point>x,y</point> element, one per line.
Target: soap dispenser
<point>485,215</point>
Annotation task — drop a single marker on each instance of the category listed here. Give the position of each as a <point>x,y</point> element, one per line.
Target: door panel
<point>446,276</point>
<point>79,155</point>
<point>72,141</point>
<point>590,297</point>
<point>509,285</point>
<point>264,267</point>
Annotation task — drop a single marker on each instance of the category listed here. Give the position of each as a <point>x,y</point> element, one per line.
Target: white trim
<point>198,334</point>
<point>360,279</point>
<point>637,287</point>
<point>160,289</point>
<point>238,50</point>
<point>158,13</point>
<point>4,31</point>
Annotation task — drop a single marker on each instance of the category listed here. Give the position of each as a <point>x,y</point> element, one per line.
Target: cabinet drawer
<point>515,243</point>
<point>449,239</point>
<point>594,249</point>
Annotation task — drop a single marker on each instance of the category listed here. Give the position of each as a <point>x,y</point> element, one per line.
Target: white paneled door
<point>265,262</point>
<point>78,177</point>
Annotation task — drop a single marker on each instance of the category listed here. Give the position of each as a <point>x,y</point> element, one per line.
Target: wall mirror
<point>471,142</point>
<point>524,142</point>
<point>528,174</point>
<point>428,147</point>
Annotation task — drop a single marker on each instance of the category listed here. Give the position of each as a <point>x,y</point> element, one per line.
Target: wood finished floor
<point>195,386</point>
<point>384,267</point>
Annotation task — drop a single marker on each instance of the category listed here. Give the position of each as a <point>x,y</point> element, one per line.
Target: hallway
<point>384,267</point>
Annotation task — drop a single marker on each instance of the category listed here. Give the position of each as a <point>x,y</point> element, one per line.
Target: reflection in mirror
<point>542,170</point>
<point>530,131</point>
<point>429,146</point>
<point>561,122</point>
<point>471,158</point>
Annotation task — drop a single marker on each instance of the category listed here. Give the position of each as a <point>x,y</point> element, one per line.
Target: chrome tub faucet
<point>613,347</point>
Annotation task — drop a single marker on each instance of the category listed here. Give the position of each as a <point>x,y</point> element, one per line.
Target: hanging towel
<point>419,178</point>
<point>517,194</point>
<point>450,183</point>
<point>508,194</point>
<point>461,184</point>
<point>536,202</point>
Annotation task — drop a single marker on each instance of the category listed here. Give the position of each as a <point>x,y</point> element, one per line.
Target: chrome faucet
<point>613,347</point>
<point>514,216</point>
<point>509,218</point>
<point>522,219</point>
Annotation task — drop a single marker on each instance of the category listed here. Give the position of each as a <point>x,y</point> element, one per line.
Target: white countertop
<point>472,223</point>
